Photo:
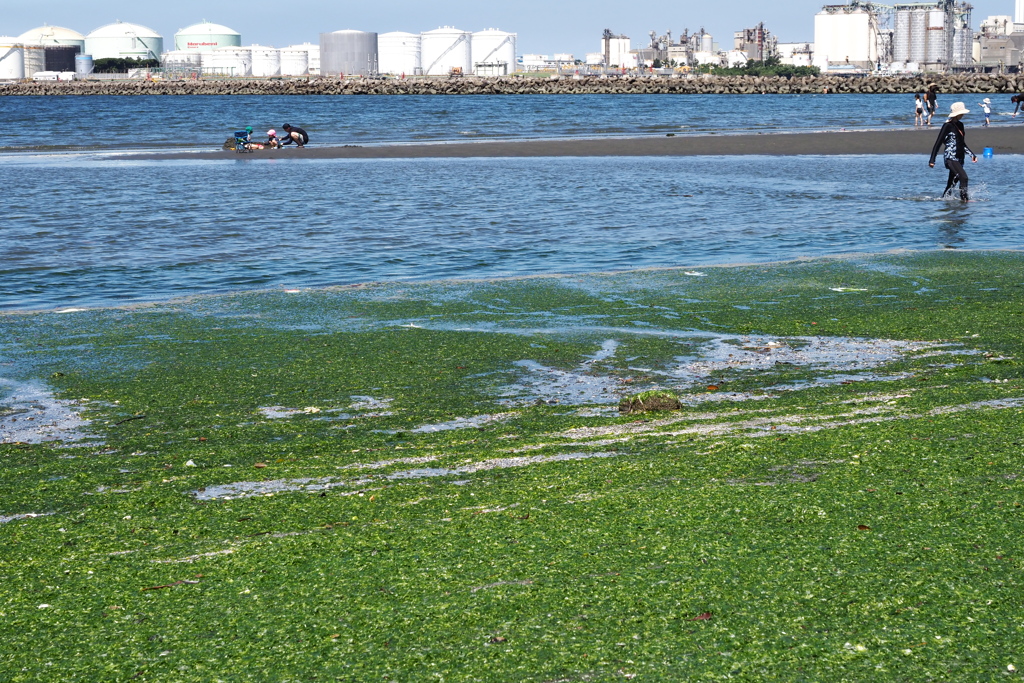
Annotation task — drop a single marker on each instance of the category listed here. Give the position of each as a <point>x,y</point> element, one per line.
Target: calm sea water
<point>88,228</point>
<point>120,123</point>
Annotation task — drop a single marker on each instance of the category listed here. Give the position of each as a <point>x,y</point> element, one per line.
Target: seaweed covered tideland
<point>253,498</point>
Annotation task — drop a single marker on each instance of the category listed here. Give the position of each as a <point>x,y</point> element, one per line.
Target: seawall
<point>564,85</point>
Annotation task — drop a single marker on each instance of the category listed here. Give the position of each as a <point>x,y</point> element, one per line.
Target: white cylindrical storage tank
<point>707,43</point>
<point>227,61</point>
<point>400,53</point>
<point>204,36</point>
<point>124,41</point>
<point>35,59</point>
<point>53,35</point>
<point>83,65</point>
<point>266,61</point>
<point>496,50</point>
<point>348,52</point>
<point>12,59</point>
<point>182,58</point>
<point>314,60</point>
<point>445,49</point>
<point>294,61</point>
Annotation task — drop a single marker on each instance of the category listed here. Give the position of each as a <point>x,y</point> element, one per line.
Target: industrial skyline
<point>560,28</point>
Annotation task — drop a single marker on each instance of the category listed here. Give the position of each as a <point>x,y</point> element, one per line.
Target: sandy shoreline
<point>1003,140</point>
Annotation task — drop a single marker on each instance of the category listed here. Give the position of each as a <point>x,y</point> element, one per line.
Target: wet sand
<point>1007,139</point>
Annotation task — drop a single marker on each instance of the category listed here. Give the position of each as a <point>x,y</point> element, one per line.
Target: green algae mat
<point>420,482</point>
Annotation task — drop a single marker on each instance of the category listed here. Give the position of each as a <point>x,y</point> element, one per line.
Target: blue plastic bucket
<point>987,153</point>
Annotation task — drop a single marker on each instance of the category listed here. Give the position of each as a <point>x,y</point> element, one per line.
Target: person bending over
<point>294,134</point>
<point>1018,102</point>
<point>952,141</point>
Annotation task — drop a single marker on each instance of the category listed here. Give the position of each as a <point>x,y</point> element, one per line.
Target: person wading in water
<point>954,145</point>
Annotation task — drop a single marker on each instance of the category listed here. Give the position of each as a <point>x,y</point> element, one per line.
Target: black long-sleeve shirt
<point>951,141</point>
<point>302,133</point>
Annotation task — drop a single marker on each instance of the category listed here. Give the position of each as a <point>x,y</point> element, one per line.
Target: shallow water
<point>88,231</point>
<point>204,122</point>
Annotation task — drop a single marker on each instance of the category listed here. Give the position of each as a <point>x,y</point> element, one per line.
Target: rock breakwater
<point>563,85</point>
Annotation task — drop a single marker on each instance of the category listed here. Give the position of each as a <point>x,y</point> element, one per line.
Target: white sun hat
<point>958,109</point>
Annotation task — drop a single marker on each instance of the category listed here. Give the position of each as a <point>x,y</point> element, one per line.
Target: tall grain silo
<point>493,52</point>
<point>125,41</point>
<point>348,52</point>
<point>12,59</point>
<point>923,35</point>
<point>53,35</point>
<point>963,39</point>
<point>846,36</point>
<point>205,36</point>
<point>400,53</point>
<point>446,49</point>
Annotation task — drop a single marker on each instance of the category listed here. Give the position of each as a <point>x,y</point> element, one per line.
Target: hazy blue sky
<point>543,27</point>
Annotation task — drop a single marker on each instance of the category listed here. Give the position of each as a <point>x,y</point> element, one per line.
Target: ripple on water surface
<point>258,225</point>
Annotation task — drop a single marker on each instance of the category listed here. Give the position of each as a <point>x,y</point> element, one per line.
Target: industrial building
<point>615,49</point>
<point>204,36</point>
<point>999,44</point>
<point>124,40</point>
<point>757,44</point>
<point>921,36</point>
<point>691,49</point>
<point>796,54</point>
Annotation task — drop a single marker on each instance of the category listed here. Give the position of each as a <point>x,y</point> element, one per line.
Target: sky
<point>543,28</point>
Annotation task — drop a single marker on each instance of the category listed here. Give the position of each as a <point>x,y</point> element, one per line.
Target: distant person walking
<point>952,140</point>
<point>985,107</point>
<point>918,111</point>
<point>931,100</point>
<point>294,134</point>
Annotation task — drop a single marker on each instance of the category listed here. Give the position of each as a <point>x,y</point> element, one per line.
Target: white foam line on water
<point>4,519</point>
<point>30,414</point>
<point>718,353</point>
<point>463,423</point>
<point>770,425</point>
<point>248,489</point>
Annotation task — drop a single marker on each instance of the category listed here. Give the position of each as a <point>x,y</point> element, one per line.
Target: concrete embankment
<point>565,85</point>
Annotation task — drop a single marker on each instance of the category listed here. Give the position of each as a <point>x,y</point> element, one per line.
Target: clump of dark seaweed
<point>647,401</point>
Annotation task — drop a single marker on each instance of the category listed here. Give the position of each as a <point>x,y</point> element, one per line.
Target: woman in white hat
<point>953,141</point>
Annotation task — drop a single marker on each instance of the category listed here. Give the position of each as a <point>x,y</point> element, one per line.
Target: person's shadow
<point>951,220</point>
